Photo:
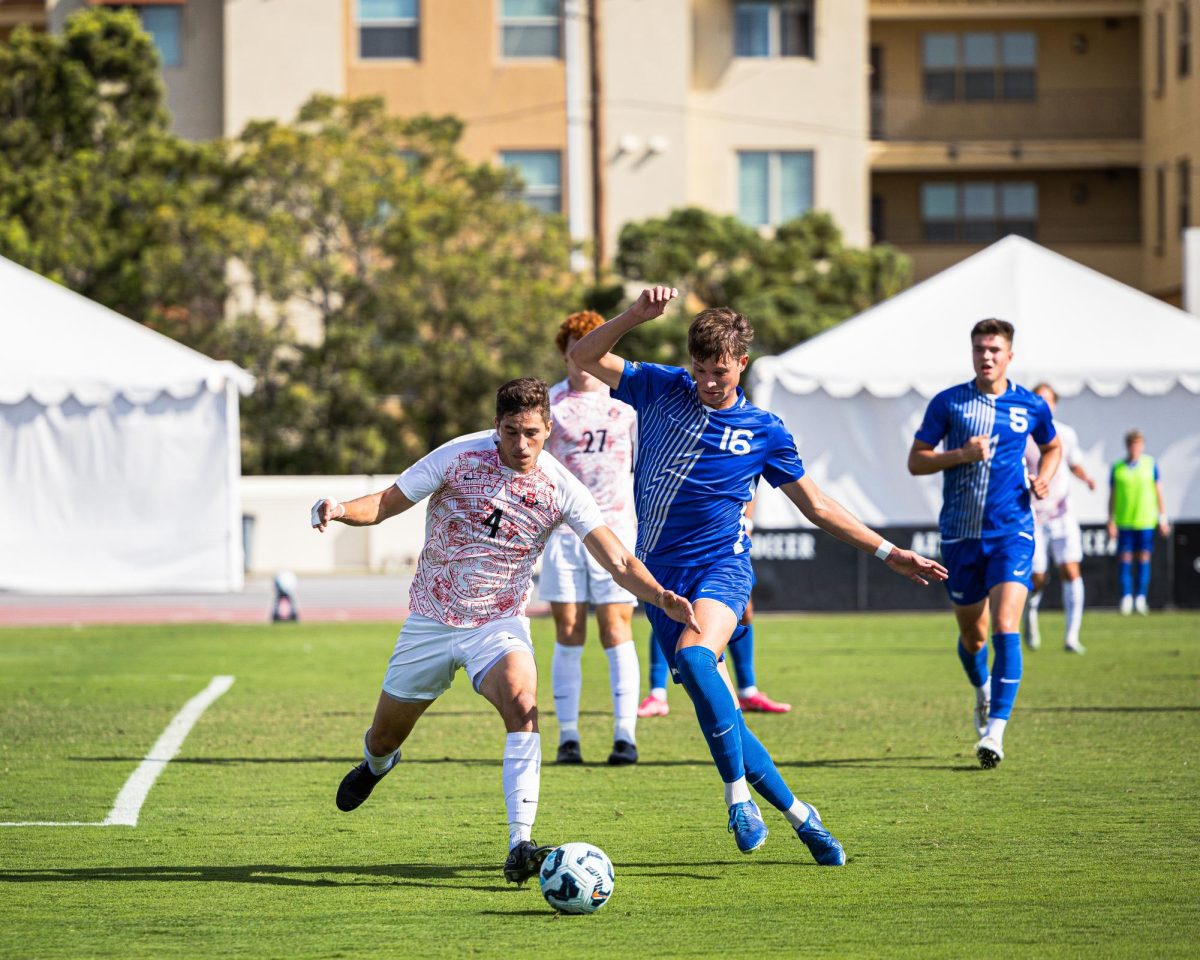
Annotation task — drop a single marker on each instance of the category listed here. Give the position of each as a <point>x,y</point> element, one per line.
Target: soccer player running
<point>495,497</point>
<point>1135,507</point>
<point>986,521</point>
<point>701,449</point>
<point>1056,533</point>
<point>593,438</point>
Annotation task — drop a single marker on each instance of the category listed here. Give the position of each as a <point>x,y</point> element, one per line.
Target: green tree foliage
<point>792,285</point>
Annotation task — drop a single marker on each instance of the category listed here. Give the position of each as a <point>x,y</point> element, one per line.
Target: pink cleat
<point>761,703</point>
<point>653,707</point>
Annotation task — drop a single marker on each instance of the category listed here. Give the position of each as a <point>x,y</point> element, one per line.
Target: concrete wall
<point>283,539</point>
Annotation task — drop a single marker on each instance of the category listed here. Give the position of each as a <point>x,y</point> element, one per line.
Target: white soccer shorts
<point>1059,538</point>
<point>571,575</point>
<point>429,653</point>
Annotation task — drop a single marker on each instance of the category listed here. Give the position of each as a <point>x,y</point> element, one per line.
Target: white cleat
<point>1140,606</point>
<point>1126,607</point>
<point>989,752</point>
<point>1076,647</point>
<point>983,707</point>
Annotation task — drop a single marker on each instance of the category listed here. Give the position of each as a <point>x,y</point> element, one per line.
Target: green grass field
<point>1083,843</point>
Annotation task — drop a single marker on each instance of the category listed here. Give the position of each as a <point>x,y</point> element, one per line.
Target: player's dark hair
<point>577,325</point>
<point>993,328</point>
<point>719,332</point>
<point>521,395</point>
<point>1049,389</point>
<point>1134,434</point>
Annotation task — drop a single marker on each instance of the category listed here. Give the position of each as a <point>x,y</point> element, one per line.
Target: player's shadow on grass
<point>283,875</point>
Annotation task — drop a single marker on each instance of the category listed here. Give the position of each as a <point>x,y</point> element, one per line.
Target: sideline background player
<point>701,450</point>
<point>495,497</point>
<point>1056,532</point>
<point>1135,506</point>
<point>593,438</point>
<point>986,522</point>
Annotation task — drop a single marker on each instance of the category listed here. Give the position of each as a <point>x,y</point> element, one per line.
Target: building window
<point>389,29</point>
<point>1160,211</point>
<point>541,177</point>
<point>165,26</point>
<point>1185,194</point>
<point>978,66</point>
<point>774,186</point>
<point>1185,37</point>
<point>1160,53</point>
<point>978,211</point>
<point>782,28</point>
<point>530,28</point>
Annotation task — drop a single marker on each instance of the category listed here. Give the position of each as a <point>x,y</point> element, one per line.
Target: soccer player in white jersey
<point>986,522</point>
<point>495,497</point>
<point>593,438</point>
<point>1056,532</point>
<point>701,450</point>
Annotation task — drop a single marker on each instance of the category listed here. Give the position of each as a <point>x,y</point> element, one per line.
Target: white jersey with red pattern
<point>1058,501</point>
<point>593,438</point>
<point>485,527</point>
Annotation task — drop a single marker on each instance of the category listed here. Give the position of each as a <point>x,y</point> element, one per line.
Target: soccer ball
<point>576,878</point>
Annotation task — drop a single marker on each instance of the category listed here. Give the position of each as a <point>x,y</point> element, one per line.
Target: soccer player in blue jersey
<point>986,520</point>
<point>701,450</point>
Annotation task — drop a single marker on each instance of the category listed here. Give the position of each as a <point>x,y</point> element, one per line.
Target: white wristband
<point>884,550</point>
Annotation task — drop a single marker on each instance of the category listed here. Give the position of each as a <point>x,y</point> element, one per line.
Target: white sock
<point>659,693</point>
<point>521,778</point>
<point>623,675</point>
<point>737,792</point>
<point>995,729</point>
<point>1072,591</point>
<point>984,694</point>
<point>747,691</point>
<point>1035,599</point>
<point>798,812</point>
<point>566,678</point>
<point>380,765</point>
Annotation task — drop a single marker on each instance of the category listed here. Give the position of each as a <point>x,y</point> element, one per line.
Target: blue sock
<point>974,663</point>
<point>1126,571</point>
<point>761,772</point>
<point>1143,579</point>
<point>715,709</point>
<point>1006,673</point>
<point>741,652</point>
<point>658,665</point>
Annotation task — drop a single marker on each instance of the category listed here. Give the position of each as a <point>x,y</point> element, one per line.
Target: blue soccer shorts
<point>1135,541</point>
<point>728,580</point>
<point>977,565</point>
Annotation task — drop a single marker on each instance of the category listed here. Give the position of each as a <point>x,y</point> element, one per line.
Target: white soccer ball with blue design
<point>576,878</point>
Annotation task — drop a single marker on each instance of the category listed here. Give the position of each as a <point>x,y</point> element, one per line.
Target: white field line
<point>128,805</point>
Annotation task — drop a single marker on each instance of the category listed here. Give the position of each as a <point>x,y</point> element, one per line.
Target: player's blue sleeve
<point>1112,475</point>
<point>643,383</point>
<point>1156,471</point>
<point>1043,427</point>
<point>934,427</point>
<point>783,464</point>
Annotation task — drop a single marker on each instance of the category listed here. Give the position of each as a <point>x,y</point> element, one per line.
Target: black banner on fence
<point>805,569</point>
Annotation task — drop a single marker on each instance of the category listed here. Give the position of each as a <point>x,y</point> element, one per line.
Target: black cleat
<point>568,752</point>
<point>524,861</point>
<point>357,785</point>
<point>623,754</point>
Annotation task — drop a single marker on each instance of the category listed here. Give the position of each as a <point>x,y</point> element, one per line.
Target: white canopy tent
<point>119,451</point>
<point>853,397</point>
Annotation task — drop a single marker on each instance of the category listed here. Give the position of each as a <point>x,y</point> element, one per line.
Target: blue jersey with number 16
<point>696,468</point>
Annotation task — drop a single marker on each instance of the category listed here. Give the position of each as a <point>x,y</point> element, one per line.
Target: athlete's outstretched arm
<point>835,519</point>
<point>924,459</point>
<point>361,512</point>
<point>594,352</point>
<point>628,571</point>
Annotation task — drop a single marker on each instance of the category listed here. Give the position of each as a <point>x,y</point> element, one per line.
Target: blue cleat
<point>822,844</point>
<point>747,826</point>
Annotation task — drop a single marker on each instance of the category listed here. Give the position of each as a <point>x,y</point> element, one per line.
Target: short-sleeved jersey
<point>485,527</point>
<point>1058,500</point>
<point>988,498</point>
<point>593,438</point>
<point>696,468</point>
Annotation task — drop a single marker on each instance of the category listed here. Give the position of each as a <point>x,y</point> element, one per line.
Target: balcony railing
<point>1057,231</point>
<point>1053,115</point>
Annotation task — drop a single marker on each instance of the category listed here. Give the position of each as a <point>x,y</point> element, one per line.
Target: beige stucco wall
<point>817,104</point>
<point>278,54</point>
<point>1172,133</point>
